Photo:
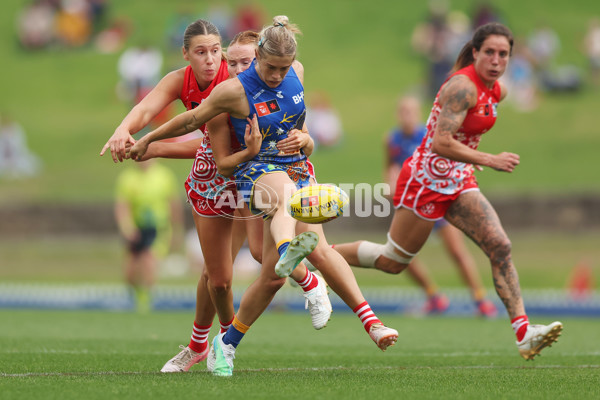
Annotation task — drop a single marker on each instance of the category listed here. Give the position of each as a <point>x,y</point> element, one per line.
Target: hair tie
<point>261,42</point>
<point>279,24</point>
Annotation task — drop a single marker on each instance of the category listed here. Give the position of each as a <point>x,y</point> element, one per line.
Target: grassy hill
<point>358,52</point>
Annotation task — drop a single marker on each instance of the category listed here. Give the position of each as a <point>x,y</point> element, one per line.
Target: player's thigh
<point>272,190</point>
<point>408,230</point>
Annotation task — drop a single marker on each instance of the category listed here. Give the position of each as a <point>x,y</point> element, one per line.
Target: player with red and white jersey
<point>205,187</point>
<point>438,182</point>
<point>428,171</point>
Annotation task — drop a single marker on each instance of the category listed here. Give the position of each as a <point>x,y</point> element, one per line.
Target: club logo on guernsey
<point>267,107</point>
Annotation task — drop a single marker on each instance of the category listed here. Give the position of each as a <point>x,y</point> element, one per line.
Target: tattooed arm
<point>458,95</point>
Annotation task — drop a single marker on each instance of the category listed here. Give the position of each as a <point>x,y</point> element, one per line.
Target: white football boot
<point>222,363</point>
<point>318,304</point>
<point>184,360</point>
<point>538,337</point>
<point>299,247</point>
<point>383,336</point>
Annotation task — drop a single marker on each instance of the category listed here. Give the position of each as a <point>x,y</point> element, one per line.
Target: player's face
<point>239,58</point>
<point>272,69</point>
<point>492,59</point>
<point>204,56</point>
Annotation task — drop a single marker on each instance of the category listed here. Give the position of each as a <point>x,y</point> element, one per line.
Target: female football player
<point>438,181</point>
<point>271,93</point>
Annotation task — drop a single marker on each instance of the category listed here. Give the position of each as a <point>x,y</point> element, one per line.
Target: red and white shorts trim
<point>426,203</point>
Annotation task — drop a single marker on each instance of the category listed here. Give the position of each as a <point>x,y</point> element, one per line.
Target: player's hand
<point>138,150</point>
<point>505,161</point>
<point>296,140</point>
<point>252,136</point>
<point>151,151</point>
<point>117,144</point>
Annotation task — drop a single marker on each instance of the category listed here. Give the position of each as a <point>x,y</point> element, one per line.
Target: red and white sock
<point>199,339</point>
<point>520,325</point>
<point>225,326</point>
<point>309,282</point>
<point>366,315</point>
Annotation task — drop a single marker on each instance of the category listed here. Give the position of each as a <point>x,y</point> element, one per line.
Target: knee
<point>274,284</point>
<point>220,285</point>
<point>389,266</point>
<point>257,255</point>
<point>317,256</point>
<point>500,249</point>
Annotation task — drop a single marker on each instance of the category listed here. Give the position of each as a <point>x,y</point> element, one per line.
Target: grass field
<point>99,355</point>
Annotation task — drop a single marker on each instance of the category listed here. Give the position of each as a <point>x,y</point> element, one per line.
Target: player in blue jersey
<point>265,166</point>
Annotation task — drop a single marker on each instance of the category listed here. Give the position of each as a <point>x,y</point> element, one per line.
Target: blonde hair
<point>279,39</point>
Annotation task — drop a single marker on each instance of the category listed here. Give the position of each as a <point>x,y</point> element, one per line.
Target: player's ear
<point>185,54</point>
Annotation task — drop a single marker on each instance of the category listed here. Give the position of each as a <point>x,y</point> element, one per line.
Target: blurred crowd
<point>64,23</point>
<point>534,66</point>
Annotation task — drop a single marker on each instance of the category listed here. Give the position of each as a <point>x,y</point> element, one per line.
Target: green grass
<point>358,53</point>
<point>99,355</point>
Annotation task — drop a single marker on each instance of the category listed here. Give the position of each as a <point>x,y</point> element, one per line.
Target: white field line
<point>307,369</point>
<point>403,354</point>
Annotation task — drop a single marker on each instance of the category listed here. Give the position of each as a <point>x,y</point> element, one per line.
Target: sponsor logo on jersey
<point>298,98</point>
<point>257,95</point>
<point>267,107</point>
<point>483,110</point>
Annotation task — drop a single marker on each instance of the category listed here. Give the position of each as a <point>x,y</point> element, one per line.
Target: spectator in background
<point>112,39</point>
<point>220,15</point>
<point>249,16</point>
<point>35,25</point>
<point>323,121</point>
<point>73,23</point>
<point>140,70</point>
<point>520,79</point>
<point>484,12</point>
<point>177,26</point>
<point>592,49</point>
<point>439,39</point>
<point>148,213</point>
<point>544,45</point>
<point>16,160</point>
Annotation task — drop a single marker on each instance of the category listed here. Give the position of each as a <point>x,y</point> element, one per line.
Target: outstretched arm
<point>458,95</point>
<point>185,149</point>
<point>165,92</point>
<point>224,98</point>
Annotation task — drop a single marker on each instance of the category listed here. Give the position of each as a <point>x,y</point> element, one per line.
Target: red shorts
<point>208,207</point>
<point>426,203</point>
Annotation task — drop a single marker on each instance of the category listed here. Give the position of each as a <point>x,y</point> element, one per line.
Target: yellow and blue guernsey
<point>279,110</point>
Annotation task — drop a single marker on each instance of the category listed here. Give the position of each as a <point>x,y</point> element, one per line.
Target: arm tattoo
<point>457,97</point>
